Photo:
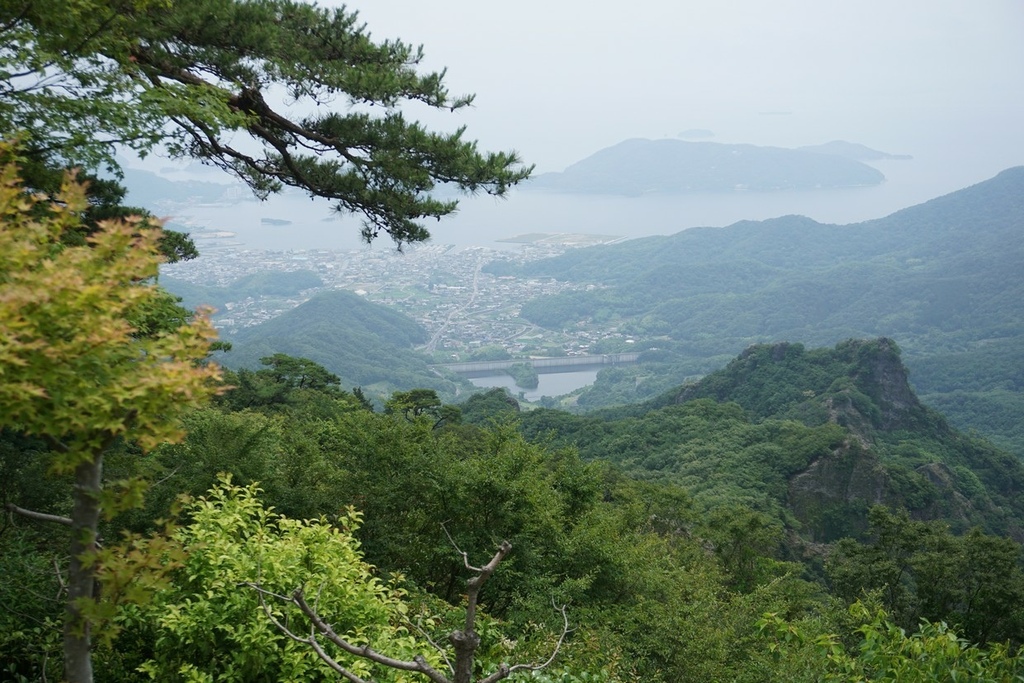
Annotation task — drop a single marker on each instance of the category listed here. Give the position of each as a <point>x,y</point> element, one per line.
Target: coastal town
<point>467,312</point>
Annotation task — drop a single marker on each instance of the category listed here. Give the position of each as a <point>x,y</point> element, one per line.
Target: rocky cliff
<point>898,452</point>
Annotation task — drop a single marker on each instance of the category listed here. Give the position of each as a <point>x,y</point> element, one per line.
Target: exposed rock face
<point>832,496</point>
<point>856,477</point>
<point>897,452</point>
<point>882,376</point>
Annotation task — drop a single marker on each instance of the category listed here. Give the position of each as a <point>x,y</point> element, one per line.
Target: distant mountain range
<point>945,279</point>
<point>263,284</point>
<point>637,167</point>
<point>150,191</point>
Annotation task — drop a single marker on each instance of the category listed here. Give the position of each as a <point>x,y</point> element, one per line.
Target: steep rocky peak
<point>877,370</point>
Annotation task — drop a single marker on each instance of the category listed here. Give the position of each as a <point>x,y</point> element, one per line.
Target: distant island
<point>153,191</point>
<point>852,150</point>
<point>639,166</point>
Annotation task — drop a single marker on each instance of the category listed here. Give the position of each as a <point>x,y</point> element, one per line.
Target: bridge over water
<point>542,365</point>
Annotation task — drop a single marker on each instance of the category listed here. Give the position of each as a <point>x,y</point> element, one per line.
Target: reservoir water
<point>549,383</point>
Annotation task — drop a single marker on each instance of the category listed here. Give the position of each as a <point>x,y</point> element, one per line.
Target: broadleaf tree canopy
<point>204,78</point>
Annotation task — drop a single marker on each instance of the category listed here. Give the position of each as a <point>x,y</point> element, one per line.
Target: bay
<point>304,224</point>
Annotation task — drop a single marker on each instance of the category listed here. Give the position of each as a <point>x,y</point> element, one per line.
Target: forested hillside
<point>267,283</point>
<point>678,535</point>
<point>943,279</point>
<point>366,344</point>
<point>811,438</point>
<point>793,516</point>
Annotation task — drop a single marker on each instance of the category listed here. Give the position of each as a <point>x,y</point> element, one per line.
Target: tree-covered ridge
<point>943,279</point>
<point>811,438</point>
<point>638,166</point>
<point>266,283</point>
<point>987,211</point>
<point>366,344</point>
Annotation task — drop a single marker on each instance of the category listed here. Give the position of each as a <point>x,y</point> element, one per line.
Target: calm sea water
<point>483,220</point>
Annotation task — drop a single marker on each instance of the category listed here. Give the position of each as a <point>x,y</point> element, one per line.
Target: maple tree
<point>80,366</point>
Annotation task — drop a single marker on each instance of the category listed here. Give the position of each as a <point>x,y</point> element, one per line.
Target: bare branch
<point>260,591</point>
<point>166,478</point>
<point>38,516</point>
<point>537,667</point>
<point>56,444</point>
<point>327,659</point>
<point>264,591</point>
<point>477,582</point>
<point>311,640</point>
<point>437,647</point>
<point>465,556</point>
<point>365,651</point>
<point>488,569</point>
<point>61,587</point>
<point>465,642</point>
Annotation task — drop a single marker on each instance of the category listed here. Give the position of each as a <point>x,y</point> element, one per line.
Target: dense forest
<point>367,344</point>
<point>797,515</point>
<point>740,529</point>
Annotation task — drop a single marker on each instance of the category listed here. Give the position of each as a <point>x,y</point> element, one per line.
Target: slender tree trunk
<point>465,644</point>
<point>81,580</point>
<point>467,641</point>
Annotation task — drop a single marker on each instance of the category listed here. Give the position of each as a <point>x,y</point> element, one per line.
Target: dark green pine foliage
<point>201,75</point>
<point>378,165</point>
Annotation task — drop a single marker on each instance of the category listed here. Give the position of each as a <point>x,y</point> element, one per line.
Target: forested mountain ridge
<point>944,279</point>
<point>989,212</point>
<point>266,283</point>
<point>811,438</point>
<point>365,344</point>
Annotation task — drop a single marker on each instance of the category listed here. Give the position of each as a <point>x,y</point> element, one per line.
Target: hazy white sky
<point>560,79</point>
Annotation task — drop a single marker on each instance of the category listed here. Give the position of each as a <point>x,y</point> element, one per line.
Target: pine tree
<point>203,78</point>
